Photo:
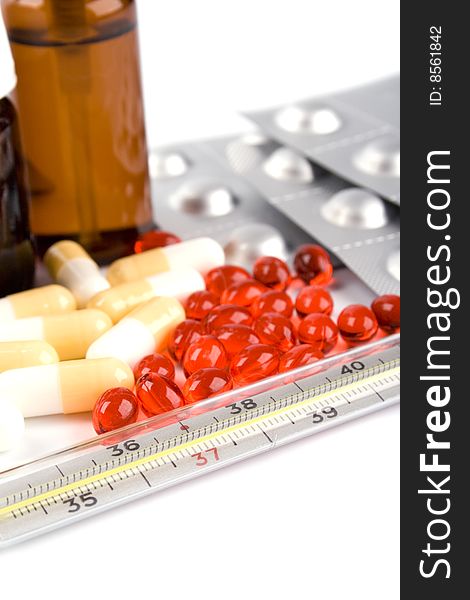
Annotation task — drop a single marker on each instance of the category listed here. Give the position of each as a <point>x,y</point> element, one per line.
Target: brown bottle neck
<point>64,22</point>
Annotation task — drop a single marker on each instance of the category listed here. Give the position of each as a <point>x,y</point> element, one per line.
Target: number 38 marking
<point>244,404</point>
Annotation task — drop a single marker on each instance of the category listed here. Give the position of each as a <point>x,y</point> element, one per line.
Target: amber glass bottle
<point>16,249</point>
<point>80,104</point>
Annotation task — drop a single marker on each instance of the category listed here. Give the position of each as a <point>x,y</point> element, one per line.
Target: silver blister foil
<point>195,193</point>
<point>355,133</point>
<point>353,223</point>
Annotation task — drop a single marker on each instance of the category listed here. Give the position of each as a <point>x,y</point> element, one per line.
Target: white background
<point>317,519</point>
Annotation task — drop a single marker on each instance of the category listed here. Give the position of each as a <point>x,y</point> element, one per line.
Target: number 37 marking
<point>202,457</point>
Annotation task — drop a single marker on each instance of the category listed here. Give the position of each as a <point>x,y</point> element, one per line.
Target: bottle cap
<point>7,67</point>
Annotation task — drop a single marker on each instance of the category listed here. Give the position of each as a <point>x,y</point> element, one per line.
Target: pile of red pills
<point>245,327</point>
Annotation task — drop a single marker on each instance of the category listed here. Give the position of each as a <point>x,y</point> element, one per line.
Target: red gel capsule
<point>158,394</point>
<point>275,330</point>
<point>254,363</point>
<point>206,383</point>
<point>273,301</point>
<point>225,315</point>
<point>155,363</point>
<point>299,356</point>
<point>199,304</point>
<point>221,278</point>
<point>318,330</point>
<point>271,272</point>
<point>313,299</point>
<point>205,352</point>
<point>313,264</point>
<point>115,408</point>
<point>155,239</point>
<point>236,337</point>
<point>357,323</point>
<point>387,312</point>
<point>184,334</point>
<point>243,293</point>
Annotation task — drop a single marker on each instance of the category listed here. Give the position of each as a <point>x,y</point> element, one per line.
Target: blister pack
<point>354,134</point>
<point>196,193</point>
<point>355,224</point>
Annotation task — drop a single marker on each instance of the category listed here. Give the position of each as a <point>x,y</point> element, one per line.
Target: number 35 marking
<point>86,500</point>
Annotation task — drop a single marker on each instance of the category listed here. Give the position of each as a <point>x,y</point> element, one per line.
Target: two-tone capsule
<point>41,301</point>
<point>70,265</point>
<point>121,299</point>
<point>70,334</point>
<point>16,355</point>
<point>145,330</point>
<point>67,387</point>
<point>202,254</point>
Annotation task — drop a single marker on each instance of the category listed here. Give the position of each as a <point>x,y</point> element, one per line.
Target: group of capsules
<point>244,327</point>
<point>168,325</point>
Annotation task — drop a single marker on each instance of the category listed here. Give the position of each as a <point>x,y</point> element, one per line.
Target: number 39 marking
<point>329,412</point>
<point>202,457</point>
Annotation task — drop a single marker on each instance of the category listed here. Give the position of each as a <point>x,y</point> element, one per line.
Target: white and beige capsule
<point>46,300</point>
<point>70,265</point>
<point>70,334</point>
<point>118,301</point>
<point>29,353</point>
<point>144,330</point>
<point>202,254</point>
<point>67,387</point>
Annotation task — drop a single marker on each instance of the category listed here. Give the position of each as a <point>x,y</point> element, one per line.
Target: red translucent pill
<point>115,408</point>
<point>155,239</point>
<point>221,278</point>
<point>155,363</point>
<point>243,293</point>
<point>275,330</point>
<point>184,334</point>
<point>158,394</point>
<point>206,383</point>
<point>236,337</point>
<point>313,264</point>
<point>205,352</point>
<point>227,314</point>
<point>273,301</point>
<point>387,312</point>
<point>357,323</point>
<point>313,299</point>
<point>199,304</point>
<point>299,356</point>
<point>271,272</point>
<point>318,330</point>
<point>254,363</point>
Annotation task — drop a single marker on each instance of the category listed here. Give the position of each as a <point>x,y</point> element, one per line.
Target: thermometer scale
<point>154,454</point>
